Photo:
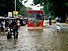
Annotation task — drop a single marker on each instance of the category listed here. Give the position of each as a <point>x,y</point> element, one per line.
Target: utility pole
<point>15,5</point>
<point>15,13</point>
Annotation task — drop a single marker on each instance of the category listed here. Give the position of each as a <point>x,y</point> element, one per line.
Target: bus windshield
<point>35,16</point>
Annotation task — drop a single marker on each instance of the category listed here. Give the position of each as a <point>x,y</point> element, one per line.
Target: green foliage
<point>9,6</point>
<point>21,9</point>
<point>55,7</point>
<point>6,6</point>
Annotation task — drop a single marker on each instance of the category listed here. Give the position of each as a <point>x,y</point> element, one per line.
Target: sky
<point>28,4</point>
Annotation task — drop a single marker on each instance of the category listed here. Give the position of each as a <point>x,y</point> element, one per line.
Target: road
<point>37,40</point>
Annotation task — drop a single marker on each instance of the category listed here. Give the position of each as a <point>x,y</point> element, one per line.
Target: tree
<point>21,9</point>
<point>55,7</point>
<point>6,6</point>
<point>9,6</point>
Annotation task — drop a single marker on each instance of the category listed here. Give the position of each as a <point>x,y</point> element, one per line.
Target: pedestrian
<point>50,19</point>
<point>0,26</point>
<point>58,19</point>
<point>18,23</point>
<point>11,25</point>
<point>3,26</point>
<point>10,29</point>
<point>6,24</point>
<point>15,29</point>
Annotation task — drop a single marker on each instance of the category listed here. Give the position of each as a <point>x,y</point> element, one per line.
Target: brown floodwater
<point>36,40</point>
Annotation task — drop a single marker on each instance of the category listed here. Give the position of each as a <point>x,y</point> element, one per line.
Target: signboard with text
<point>9,14</point>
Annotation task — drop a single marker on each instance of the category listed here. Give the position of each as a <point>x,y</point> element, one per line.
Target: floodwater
<point>36,40</point>
<point>64,38</point>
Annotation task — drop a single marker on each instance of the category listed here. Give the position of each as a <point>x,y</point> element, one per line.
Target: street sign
<point>9,14</point>
<point>15,12</point>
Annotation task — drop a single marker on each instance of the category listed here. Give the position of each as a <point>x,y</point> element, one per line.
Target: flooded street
<point>36,40</point>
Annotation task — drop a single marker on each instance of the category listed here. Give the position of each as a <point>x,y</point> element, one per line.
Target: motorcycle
<point>9,35</point>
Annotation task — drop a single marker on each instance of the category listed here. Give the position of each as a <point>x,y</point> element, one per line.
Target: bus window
<point>39,16</point>
<point>31,16</point>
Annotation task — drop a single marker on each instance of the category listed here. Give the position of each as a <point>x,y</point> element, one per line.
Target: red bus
<point>35,19</point>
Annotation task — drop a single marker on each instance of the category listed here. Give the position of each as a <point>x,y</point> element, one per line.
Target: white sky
<point>28,4</point>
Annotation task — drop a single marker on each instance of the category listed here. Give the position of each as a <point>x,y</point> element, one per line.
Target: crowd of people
<point>11,26</point>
